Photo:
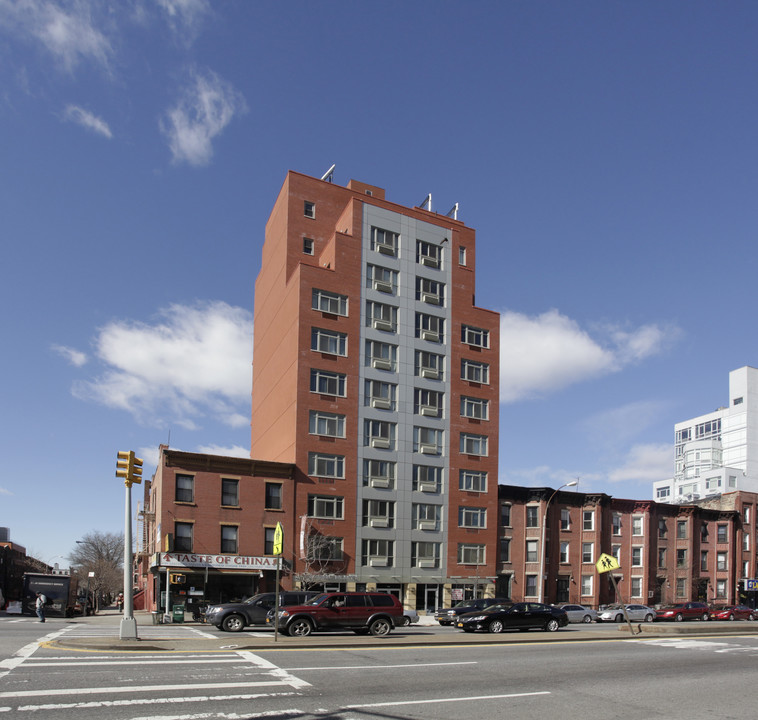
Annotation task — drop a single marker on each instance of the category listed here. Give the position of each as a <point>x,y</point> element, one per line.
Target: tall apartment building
<point>376,376</point>
<point>717,452</point>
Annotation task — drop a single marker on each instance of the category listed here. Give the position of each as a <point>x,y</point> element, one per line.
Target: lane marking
<point>106,662</point>
<point>383,667</point>
<point>273,670</point>
<point>27,651</point>
<point>441,700</point>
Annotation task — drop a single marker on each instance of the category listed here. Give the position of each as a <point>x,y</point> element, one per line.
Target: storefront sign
<point>230,562</point>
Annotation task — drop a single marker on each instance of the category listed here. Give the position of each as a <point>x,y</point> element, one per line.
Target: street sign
<point>607,562</point>
<point>278,539</point>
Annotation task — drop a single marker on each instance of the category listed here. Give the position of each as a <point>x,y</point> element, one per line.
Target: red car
<point>732,612</point>
<point>684,611</point>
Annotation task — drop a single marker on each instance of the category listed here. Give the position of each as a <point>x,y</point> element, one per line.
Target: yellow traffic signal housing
<point>177,579</point>
<point>136,469</point>
<point>123,464</point>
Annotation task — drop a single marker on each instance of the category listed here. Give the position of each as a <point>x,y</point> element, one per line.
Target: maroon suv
<point>683,611</point>
<point>362,612</point>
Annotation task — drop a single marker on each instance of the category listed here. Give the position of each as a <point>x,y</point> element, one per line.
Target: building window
<point>745,542</point>
<point>681,587</point>
<point>230,492</point>
<point>384,241</point>
<point>703,561</point>
<point>379,473</point>
<point>473,444</point>
<point>746,569</point>
<point>323,465</point>
<point>704,533</point>
<point>325,507</point>
<point>586,585</point>
<point>381,355</point>
<point>425,516</point>
<point>328,383</point>
<point>662,493</point>
<point>472,481</point>
<point>475,408</point>
<point>381,278</point>
<point>636,557</point>
<point>308,246</point>
<point>329,302</point>
<point>616,552</point>
<point>425,554</point>
<point>662,528</point>
<point>564,552</point>
<point>328,341</point>
<point>430,327</point>
<point>475,372</point>
<point>229,539</point>
<point>475,336</point>
<point>721,534</point>
<point>185,488</point>
<point>268,540</point>
<point>309,209</point>
<point>565,519</point>
<point>462,256</point>
<point>531,551</point>
<point>470,517</point>
<point>428,402</point>
<point>505,515</point>
<point>637,525</point>
<point>616,524</point>
<point>636,587</point>
<point>532,519</point>
<point>428,254</point>
<point>324,548</point>
<point>720,588</point>
<point>588,552</point>
<point>427,441</point>
<point>429,365</point>
<point>711,428</point>
<point>326,424</point>
<point>661,557</point>
<point>746,514</point>
<point>721,561</point>
<point>430,291</point>
<point>588,520</point>
<point>427,478</point>
<point>378,513</point>
<point>681,529</point>
<point>378,553</point>
<point>182,537</point>
<point>681,558</point>
<point>471,554</point>
<point>530,588</point>
<point>505,550</point>
<point>273,496</point>
<point>379,394</point>
<point>381,316</point>
<point>379,434</point>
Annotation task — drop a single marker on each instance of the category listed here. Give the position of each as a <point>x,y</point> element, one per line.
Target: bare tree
<point>323,556</point>
<point>101,554</point>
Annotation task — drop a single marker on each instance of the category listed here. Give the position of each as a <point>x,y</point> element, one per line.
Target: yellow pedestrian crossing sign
<point>278,539</point>
<point>607,562</point>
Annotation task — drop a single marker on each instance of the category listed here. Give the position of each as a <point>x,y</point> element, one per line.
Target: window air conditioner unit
<point>381,403</point>
<point>430,261</point>
<point>381,364</point>
<point>379,482</point>
<point>427,525</point>
<point>383,286</point>
<point>427,487</point>
<point>385,248</point>
<point>427,449</point>
<point>382,325</point>
<point>379,522</point>
<point>429,410</point>
<point>427,563</point>
<point>431,299</point>
<point>431,335</point>
<point>381,443</point>
<point>378,562</point>
<point>430,373</point>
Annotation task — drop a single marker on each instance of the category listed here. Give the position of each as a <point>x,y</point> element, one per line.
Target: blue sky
<point>605,153</point>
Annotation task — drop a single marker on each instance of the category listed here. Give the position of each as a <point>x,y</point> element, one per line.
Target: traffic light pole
<point>128,630</point>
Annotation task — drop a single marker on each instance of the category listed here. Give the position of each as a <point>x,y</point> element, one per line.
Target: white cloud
<point>548,352</point>
<point>74,357</point>
<point>192,362</point>
<point>4,491</point>
<point>66,29</point>
<point>230,451</point>
<point>87,120</point>
<point>206,107</point>
<point>645,463</point>
<point>185,17</point>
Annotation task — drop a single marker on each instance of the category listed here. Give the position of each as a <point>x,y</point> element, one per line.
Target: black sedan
<point>514,616</point>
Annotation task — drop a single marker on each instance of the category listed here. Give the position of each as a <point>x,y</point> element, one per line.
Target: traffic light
<point>176,579</point>
<point>129,467</point>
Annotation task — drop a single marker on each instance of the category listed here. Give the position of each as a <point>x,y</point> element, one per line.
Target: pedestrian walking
<point>40,606</point>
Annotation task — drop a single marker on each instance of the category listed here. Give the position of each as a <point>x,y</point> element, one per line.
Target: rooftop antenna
<point>453,213</point>
<point>427,202</point>
<point>328,174</point>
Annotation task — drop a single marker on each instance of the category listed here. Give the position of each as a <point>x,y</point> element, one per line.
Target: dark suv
<point>449,616</point>
<point>362,612</point>
<point>236,616</point>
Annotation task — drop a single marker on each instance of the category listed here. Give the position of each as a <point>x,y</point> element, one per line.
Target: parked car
<point>732,612</point>
<point>514,616</point>
<point>362,612</point>
<point>683,611</point>
<point>578,613</point>
<point>448,616</point>
<point>234,617</point>
<point>636,613</point>
<point>409,616</point>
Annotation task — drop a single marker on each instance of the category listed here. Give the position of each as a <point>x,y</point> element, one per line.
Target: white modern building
<point>717,452</point>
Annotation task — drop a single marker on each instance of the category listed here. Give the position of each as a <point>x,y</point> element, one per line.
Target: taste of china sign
<point>231,562</point>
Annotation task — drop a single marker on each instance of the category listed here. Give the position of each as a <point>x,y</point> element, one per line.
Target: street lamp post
<point>542,541</point>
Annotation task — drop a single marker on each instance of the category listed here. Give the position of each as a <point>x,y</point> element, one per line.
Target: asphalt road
<point>576,673</point>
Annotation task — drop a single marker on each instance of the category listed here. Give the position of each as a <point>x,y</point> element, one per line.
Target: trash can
<point>178,613</point>
<point>156,617</point>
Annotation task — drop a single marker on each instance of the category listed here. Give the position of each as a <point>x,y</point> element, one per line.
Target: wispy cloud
<point>645,463</point>
<point>87,120</point>
<point>227,451</point>
<point>545,353</point>
<point>192,361</point>
<point>207,105</point>
<point>67,30</point>
<point>185,17</point>
<point>4,491</point>
<point>74,357</point>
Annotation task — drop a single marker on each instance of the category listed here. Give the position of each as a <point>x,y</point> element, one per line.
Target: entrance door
<point>431,598</point>
<point>562,593</point>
